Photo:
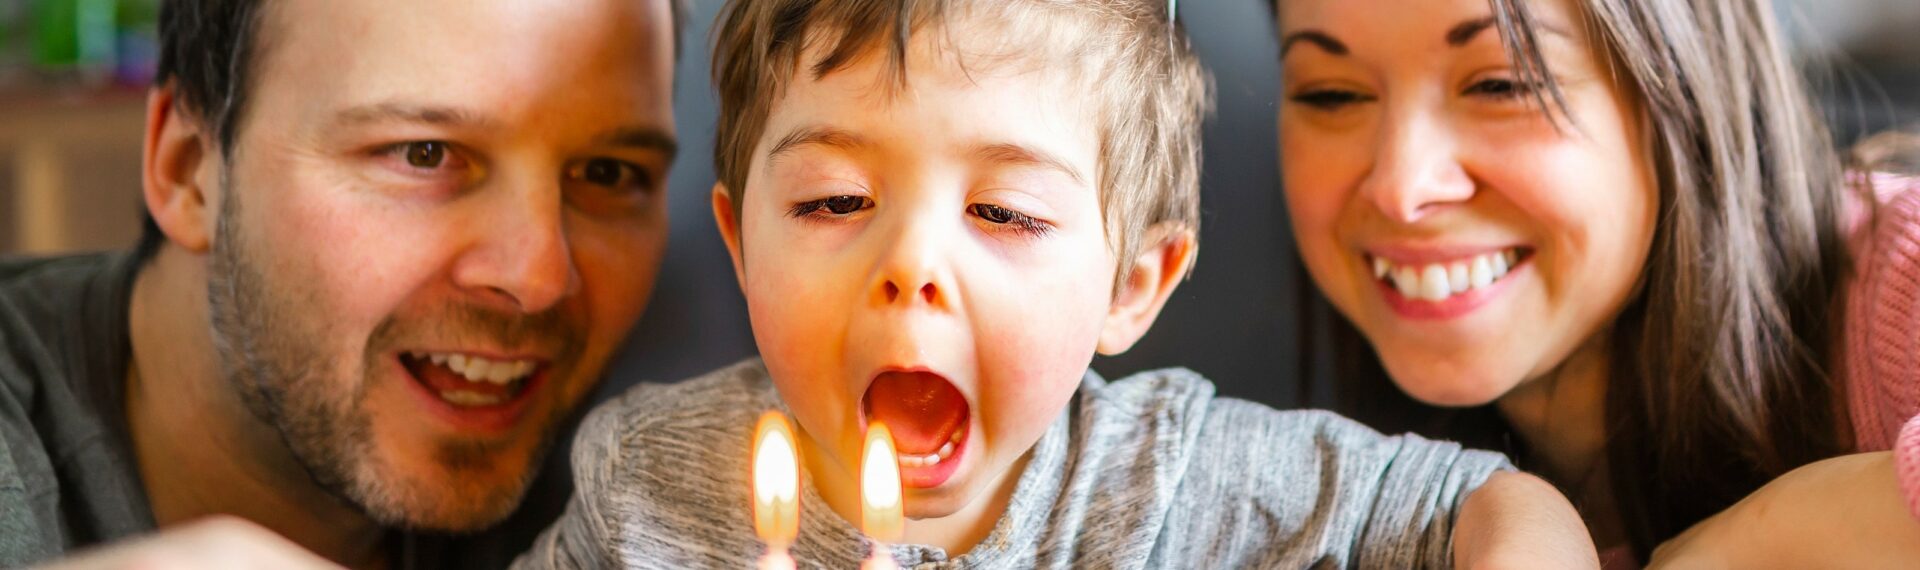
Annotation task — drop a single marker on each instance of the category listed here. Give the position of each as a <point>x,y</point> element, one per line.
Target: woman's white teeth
<point>476,369</point>
<point>931,459</point>
<point>1438,281</point>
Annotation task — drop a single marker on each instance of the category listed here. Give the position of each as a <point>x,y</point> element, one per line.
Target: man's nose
<point>520,256</point>
<point>911,272</point>
<point>1415,169</point>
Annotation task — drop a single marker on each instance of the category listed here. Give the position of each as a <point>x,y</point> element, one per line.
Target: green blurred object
<point>74,37</point>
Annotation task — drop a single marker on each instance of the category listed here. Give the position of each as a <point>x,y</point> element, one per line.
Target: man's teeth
<point>476,369</point>
<point>931,459</point>
<point>1438,281</point>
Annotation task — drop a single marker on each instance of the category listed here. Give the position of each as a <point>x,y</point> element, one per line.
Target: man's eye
<point>425,154</point>
<point>837,205</point>
<point>607,172</point>
<point>1330,99</point>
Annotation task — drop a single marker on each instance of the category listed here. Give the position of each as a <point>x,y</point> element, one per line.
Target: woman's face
<point>1475,243</point>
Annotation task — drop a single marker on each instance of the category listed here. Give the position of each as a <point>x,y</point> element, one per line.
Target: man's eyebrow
<point>1316,38</point>
<point>1464,32</point>
<point>822,136</point>
<point>412,113</point>
<point>643,138</point>
<point>1016,155</point>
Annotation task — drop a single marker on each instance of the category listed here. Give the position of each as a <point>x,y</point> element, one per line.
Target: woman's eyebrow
<point>1464,32</point>
<point>1316,38</point>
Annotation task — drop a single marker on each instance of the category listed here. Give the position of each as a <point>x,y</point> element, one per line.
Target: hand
<point>214,543</point>
<point>1844,512</point>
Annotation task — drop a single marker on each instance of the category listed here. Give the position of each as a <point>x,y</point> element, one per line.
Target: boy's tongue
<point>922,409</point>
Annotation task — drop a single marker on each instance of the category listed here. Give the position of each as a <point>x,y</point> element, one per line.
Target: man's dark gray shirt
<point>68,477</point>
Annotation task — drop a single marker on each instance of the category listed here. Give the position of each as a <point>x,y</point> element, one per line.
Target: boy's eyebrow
<point>824,136</point>
<point>1016,155</point>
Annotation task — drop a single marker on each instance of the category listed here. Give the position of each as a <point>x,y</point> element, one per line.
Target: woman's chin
<point>1453,385</point>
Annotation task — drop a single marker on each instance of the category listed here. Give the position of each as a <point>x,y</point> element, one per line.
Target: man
<point>392,245</point>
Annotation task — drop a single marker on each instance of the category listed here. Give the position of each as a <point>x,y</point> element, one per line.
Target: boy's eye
<point>1330,99</point>
<point>843,205</point>
<point>1004,217</point>
<point>993,213</point>
<point>837,205</point>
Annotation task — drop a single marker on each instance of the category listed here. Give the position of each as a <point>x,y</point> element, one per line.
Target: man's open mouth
<point>928,417</point>
<point>468,381</point>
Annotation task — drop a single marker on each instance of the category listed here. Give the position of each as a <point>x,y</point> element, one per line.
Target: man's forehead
<point>488,60</point>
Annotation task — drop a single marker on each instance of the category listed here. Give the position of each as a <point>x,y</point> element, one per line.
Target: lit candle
<point>880,515</point>
<point>776,489</point>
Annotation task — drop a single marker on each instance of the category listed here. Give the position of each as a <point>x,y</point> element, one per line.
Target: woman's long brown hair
<point>1720,378</point>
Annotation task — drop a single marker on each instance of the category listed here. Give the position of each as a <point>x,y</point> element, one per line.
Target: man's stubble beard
<point>288,384</point>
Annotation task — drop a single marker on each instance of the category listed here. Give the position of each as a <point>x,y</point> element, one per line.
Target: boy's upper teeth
<point>477,369</point>
<point>1438,281</point>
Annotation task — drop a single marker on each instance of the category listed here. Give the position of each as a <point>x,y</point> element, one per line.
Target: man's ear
<point>179,174</point>
<point>1167,253</point>
<point>729,224</point>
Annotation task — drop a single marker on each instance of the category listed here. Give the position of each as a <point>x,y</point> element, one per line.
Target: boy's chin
<point>937,502</point>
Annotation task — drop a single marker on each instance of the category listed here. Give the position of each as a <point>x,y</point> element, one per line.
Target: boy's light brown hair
<point>1131,55</point>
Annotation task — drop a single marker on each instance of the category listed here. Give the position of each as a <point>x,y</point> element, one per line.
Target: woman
<point>1619,221</point>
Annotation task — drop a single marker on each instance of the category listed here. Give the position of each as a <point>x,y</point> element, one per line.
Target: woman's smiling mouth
<point>1446,288</point>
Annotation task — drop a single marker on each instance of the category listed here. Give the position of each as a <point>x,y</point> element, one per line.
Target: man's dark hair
<point>207,49</point>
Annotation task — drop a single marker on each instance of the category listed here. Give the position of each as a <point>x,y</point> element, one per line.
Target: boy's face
<point>932,257</point>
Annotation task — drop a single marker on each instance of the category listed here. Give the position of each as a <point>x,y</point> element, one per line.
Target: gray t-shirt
<point>1152,471</point>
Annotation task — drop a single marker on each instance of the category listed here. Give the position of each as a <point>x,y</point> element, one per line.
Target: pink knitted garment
<point>1883,330</point>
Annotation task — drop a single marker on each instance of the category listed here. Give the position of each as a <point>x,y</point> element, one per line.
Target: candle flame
<point>776,481</point>
<point>880,486</point>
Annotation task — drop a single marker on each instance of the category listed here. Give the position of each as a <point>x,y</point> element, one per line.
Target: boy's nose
<point>910,272</point>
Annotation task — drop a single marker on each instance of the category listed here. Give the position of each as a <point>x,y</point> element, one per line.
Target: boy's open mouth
<point>928,418</point>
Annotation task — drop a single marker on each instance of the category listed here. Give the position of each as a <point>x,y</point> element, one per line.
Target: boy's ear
<point>179,172</point>
<point>1157,269</point>
<point>729,225</point>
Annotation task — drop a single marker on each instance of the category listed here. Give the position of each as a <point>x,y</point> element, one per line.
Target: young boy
<point>939,212</point>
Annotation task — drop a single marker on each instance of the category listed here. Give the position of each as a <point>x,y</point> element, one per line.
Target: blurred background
<point>72,74</point>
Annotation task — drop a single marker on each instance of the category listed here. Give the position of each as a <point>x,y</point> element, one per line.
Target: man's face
<point>438,220</point>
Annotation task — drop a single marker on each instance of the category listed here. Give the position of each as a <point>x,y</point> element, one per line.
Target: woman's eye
<point>1330,99</point>
<point>1500,88</point>
<point>837,205</point>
